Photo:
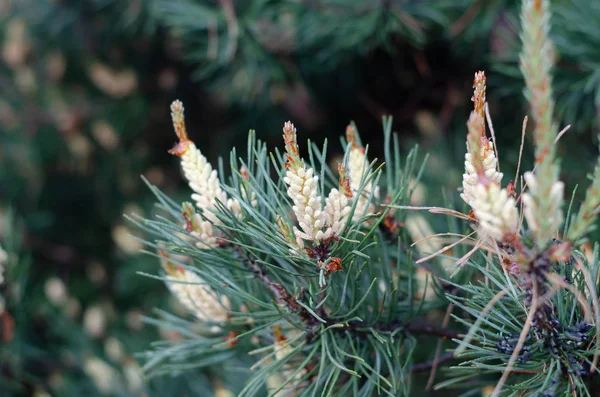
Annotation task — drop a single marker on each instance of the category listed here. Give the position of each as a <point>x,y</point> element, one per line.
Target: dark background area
<point>85,88</point>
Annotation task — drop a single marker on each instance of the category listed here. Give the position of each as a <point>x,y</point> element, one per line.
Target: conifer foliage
<point>303,278</point>
<point>294,265</point>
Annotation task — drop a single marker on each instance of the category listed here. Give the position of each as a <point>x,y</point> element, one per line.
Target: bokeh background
<point>85,88</point>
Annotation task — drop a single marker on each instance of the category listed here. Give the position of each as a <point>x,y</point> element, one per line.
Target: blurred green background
<point>85,88</point>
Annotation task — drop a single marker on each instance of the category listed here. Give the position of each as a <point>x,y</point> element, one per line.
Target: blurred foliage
<point>262,52</point>
<point>80,84</point>
<point>84,93</point>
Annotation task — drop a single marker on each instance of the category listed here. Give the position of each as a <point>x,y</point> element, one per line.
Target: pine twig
<point>282,296</point>
<point>428,365</point>
<point>413,328</point>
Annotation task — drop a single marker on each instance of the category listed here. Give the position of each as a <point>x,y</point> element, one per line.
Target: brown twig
<point>282,296</point>
<point>413,328</point>
<point>426,329</point>
<point>438,349</point>
<point>427,365</point>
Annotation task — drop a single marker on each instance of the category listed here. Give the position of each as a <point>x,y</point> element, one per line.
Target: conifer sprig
<point>588,213</point>
<point>493,208</point>
<point>534,314</point>
<point>322,297</point>
<point>537,60</point>
<point>307,274</point>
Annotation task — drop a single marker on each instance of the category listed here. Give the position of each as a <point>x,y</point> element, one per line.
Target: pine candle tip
<point>278,334</point>
<point>177,107</point>
<point>344,181</point>
<point>288,128</point>
<point>479,93</point>
<point>291,145</point>
<point>244,172</point>
<point>351,136</point>
<point>179,125</point>
<point>169,267</point>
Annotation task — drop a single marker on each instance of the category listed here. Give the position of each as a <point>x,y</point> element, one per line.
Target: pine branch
<point>427,365</point>
<point>425,329</point>
<point>282,296</point>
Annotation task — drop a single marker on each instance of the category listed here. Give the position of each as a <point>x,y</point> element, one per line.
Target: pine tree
<point>311,272</point>
<point>296,275</point>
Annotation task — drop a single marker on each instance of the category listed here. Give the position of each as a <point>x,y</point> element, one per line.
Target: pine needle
<point>521,341</point>
<point>443,249</point>
<point>521,149</point>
